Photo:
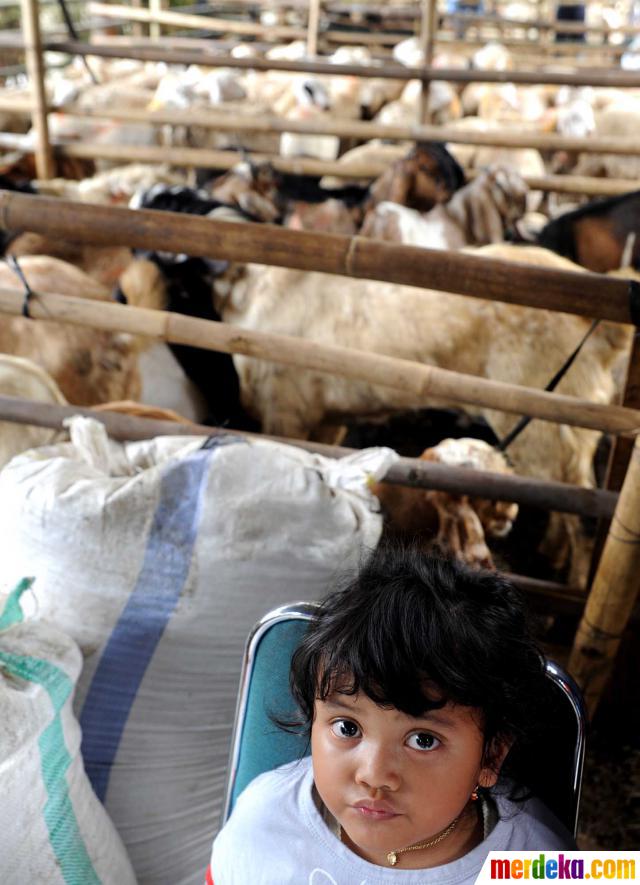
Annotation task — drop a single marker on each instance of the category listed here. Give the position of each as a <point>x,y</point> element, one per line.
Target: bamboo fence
<point>607,614</point>
<point>585,294</point>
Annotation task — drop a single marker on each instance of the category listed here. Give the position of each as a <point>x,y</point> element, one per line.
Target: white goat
<point>485,338</point>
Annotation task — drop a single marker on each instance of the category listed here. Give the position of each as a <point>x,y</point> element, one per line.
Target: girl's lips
<point>375,810</point>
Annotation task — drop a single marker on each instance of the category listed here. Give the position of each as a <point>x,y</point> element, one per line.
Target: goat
<point>456,524</point>
<point>494,340</point>
<point>599,234</point>
<point>89,366</point>
<point>477,214</point>
<point>185,287</point>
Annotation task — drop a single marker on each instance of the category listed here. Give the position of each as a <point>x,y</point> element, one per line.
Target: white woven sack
<point>158,557</point>
<point>52,827</point>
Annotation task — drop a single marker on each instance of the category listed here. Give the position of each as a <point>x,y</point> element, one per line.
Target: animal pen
<point>609,603</point>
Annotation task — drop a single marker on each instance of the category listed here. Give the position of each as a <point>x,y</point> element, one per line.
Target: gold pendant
<point>392,857</point>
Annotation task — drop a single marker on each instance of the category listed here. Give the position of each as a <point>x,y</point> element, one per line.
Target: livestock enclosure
<point>607,604</point>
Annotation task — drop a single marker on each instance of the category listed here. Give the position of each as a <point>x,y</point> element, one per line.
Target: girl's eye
<point>345,728</point>
<point>422,740</point>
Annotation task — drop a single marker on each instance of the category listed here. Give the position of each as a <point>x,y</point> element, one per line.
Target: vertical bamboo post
<point>428,25</point>
<point>313,27</point>
<point>35,70</point>
<point>621,448</point>
<point>155,6</point>
<point>613,594</point>
<point>137,28</point>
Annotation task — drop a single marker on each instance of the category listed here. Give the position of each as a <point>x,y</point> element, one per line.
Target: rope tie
<point>12,261</point>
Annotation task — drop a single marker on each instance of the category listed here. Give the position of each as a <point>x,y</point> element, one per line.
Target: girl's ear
<point>494,756</point>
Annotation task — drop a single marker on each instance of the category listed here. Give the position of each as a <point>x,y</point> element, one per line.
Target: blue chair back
<point>553,773</point>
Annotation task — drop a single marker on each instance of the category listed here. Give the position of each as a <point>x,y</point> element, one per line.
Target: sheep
<point>478,213</point>
<point>490,339</point>
<point>89,366</point>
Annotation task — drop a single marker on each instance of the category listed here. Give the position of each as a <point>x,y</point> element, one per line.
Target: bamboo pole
<point>183,20</point>
<point>617,79</point>
<point>613,595</point>
<point>542,24</point>
<point>35,70</point>
<point>621,449</point>
<point>428,27</point>
<point>197,22</point>
<point>225,160</point>
<point>226,121</point>
<point>585,294</point>
<point>411,472</point>
<point>423,381</point>
<point>313,27</point>
<point>155,7</point>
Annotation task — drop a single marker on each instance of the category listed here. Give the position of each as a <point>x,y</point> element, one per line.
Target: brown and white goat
<point>89,366</point>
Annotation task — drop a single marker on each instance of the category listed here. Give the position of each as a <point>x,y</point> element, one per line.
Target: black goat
<point>189,292</point>
<point>601,235</point>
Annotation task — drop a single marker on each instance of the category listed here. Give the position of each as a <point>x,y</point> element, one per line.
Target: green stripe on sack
<point>65,838</point>
<point>12,611</point>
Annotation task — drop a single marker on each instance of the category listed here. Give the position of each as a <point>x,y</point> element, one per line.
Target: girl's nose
<point>377,768</point>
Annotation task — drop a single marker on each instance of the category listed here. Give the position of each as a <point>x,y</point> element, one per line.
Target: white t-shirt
<point>277,836</point>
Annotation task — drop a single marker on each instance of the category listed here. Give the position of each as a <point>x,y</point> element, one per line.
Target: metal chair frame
<point>304,611</point>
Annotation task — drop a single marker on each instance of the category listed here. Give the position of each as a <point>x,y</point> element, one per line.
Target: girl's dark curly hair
<point>414,632</point>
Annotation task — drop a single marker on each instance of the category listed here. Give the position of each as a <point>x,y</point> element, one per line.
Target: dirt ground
<point>610,807</point>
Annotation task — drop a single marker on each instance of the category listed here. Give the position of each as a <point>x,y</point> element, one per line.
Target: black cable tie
<point>28,291</point>
<point>559,375</point>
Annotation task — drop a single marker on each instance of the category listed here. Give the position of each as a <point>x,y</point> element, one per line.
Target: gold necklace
<point>392,857</point>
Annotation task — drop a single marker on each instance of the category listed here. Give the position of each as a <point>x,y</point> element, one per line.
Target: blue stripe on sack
<point>65,837</point>
<point>134,639</point>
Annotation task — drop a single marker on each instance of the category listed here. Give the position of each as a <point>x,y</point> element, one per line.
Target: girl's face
<point>391,780</point>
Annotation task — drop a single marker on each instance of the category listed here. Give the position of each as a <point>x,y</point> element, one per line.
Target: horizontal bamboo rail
<point>229,26</point>
<point>621,79</point>
<point>422,381</point>
<point>202,22</point>
<point>411,472</point>
<point>225,160</point>
<point>585,294</point>
<point>560,27</point>
<point>225,121</point>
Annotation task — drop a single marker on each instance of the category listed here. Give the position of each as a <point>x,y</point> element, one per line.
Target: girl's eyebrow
<point>431,717</point>
<point>334,701</point>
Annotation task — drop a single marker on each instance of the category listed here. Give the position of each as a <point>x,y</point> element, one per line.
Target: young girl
<point>413,682</point>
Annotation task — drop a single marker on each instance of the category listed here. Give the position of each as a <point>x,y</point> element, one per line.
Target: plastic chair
<point>554,774</point>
